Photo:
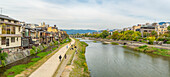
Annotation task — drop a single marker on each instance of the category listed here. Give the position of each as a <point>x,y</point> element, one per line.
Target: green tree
<point>115,35</point>
<point>153,33</point>
<point>168,28</point>
<point>3,57</point>
<point>104,34</point>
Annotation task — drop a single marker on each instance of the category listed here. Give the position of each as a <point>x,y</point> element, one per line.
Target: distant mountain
<point>72,31</point>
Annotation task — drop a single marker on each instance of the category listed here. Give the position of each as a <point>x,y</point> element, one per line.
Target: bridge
<point>76,36</point>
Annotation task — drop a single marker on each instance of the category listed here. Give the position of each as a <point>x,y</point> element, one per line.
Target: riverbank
<point>77,66</point>
<point>27,68</point>
<point>155,49</point>
<point>79,63</point>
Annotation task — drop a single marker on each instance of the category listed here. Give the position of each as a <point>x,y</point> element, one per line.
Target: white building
<point>10,33</point>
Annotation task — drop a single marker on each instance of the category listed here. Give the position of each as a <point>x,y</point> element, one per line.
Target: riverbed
<point>106,60</point>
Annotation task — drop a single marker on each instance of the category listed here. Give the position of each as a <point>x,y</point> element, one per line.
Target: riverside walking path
<point>50,66</point>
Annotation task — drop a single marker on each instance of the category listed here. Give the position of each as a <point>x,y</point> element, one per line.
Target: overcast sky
<point>88,14</point>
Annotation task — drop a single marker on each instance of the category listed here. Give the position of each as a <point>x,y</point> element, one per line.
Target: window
<point>3,40</point>
<point>19,29</point>
<point>12,39</point>
<point>8,29</point>
<point>13,30</point>
<point>1,19</point>
<point>3,29</point>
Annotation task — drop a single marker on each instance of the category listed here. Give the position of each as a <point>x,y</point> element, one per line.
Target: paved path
<point>51,65</point>
<point>62,66</point>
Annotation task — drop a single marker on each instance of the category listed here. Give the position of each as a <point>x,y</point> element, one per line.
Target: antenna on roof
<point>1,10</point>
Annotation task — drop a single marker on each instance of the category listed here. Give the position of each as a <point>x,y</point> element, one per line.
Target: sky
<point>88,14</point>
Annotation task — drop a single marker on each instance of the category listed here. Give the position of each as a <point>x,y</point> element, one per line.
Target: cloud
<point>88,14</point>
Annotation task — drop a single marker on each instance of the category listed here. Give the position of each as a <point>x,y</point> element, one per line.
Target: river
<point>106,60</point>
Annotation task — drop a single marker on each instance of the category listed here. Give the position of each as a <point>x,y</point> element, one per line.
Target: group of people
<point>60,57</point>
<point>73,46</point>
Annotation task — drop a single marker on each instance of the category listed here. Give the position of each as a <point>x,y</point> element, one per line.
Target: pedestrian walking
<point>76,51</point>
<point>60,57</point>
<point>65,56</point>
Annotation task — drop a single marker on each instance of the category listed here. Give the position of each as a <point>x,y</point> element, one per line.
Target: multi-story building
<point>147,28</point>
<point>54,32</point>
<point>10,33</point>
<point>161,29</point>
<point>136,28</point>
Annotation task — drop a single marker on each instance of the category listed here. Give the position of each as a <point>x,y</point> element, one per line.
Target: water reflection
<point>106,60</point>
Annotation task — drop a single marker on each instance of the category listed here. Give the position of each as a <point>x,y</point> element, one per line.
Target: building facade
<point>10,33</point>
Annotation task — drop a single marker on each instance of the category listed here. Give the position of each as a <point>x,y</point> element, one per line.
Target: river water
<point>106,60</point>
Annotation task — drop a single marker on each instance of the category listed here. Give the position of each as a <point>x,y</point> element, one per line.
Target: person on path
<point>65,56</point>
<point>60,57</point>
<point>76,51</point>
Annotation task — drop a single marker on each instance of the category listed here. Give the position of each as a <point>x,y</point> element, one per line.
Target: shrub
<point>113,43</point>
<point>32,52</point>
<point>38,50</point>
<point>94,41</point>
<point>168,42</point>
<point>151,40</point>
<point>34,48</point>
<point>144,46</point>
<point>56,42</point>
<point>124,46</point>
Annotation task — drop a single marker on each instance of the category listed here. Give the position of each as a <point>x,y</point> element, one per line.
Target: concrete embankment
<point>21,54</point>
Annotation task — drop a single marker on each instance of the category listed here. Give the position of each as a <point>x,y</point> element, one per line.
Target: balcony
<point>10,35</point>
<point>9,23</point>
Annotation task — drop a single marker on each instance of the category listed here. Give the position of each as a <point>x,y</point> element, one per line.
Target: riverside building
<point>10,33</point>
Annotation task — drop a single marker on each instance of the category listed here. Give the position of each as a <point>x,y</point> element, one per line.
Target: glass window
<point>12,39</point>
<point>26,32</point>
<point>3,29</point>
<point>13,30</point>
<point>8,29</point>
<point>3,40</point>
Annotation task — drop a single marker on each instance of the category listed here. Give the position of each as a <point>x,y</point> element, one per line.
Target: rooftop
<point>7,17</point>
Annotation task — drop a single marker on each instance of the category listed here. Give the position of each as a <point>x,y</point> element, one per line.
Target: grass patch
<point>124,46</point>
<point>153,50</point>
<point>83,43</point>
<point>114,43</point>
<point>54,48</point>
<point>80,66</point>
<point>16,70</point>
<point>33,65</point>
<point>35,59</point>
<point>19,68</point>
<point>72,56</point>
<point>94,41</point>
<point>42,54</point>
